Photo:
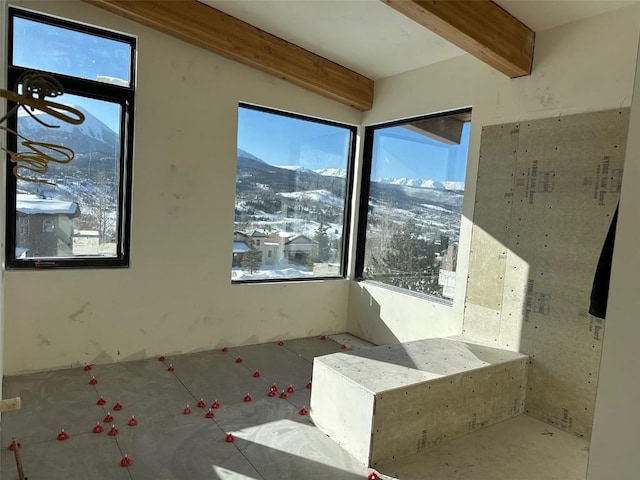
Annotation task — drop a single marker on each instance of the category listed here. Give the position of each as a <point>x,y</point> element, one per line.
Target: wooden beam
<point>211,29</point>
<point>480,27</point>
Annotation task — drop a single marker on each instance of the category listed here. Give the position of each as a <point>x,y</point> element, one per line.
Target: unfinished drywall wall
<point>177,295</point>
<point>546,194</point>
<point>584,66</point>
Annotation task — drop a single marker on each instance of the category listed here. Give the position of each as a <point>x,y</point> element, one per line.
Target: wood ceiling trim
<point>213,30</point>
<point>480,27</point>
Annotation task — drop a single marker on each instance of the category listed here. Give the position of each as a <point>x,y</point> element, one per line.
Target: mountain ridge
<point>404,181</point>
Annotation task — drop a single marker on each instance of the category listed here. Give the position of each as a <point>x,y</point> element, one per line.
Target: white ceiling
<point>540,15</point>
<point>374,40</point>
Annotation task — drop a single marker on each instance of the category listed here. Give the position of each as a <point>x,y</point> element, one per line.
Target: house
<point>299,249</point>
<point>240,247</point>
<point>244,242</point>
<point>45,226</point>
<point>291,247</point>
<point>185,147</point>
<point>86,242</point>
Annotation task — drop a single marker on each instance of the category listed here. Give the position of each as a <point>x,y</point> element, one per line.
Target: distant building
<point>240,247</point>
<point>293,247</point>
<point>275,248</point>
<point>298,249</point>
<point>243,241</point>
<point>44,226</point>
<point>86,242</point>
<point>447,273</point>
<point>447,280</point>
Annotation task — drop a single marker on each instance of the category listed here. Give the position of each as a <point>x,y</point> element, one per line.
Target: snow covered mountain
<point>406,182</point>
<point>244,154</point>
<point>411,182</point>
<point>91,136</point>
<point>332,172</point>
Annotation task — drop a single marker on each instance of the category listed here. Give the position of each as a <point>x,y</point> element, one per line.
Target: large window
<point>411,202</point>
<point>292,195</point>
<point>68,183</point>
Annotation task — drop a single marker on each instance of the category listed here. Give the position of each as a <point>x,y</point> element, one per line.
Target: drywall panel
<point>585,66</point>
<point>560,194</point>
<point>177,295</point>
<point>616,431</point>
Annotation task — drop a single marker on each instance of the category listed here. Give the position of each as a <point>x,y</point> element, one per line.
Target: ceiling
<point>375,40</point>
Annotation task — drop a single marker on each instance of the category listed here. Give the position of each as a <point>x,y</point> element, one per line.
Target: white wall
<point>581,67</point>
<point>616,432</point>
<point>177,296</point>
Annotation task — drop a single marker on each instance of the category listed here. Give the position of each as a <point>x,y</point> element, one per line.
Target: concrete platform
<point>384,403</point>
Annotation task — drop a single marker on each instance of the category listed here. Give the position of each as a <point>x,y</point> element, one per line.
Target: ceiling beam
<point>211,29</point>
<point>480,27</point>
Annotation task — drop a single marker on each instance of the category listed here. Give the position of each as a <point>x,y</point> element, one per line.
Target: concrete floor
<point>272,439</point>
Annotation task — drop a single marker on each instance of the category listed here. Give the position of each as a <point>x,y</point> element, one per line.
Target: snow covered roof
<point>33,204</point>
<point>86,233</point>
<point>300,239</point>
<point>256,233</point>
<point>240,247</point>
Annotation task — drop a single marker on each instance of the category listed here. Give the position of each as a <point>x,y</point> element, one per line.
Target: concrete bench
<point>386,402</point>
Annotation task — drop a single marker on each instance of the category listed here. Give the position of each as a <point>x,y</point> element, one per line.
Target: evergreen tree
<point>324,245</point>
<point>252,259</point>
<point>406,261</point>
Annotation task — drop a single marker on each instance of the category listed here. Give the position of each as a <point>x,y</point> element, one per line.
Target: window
<point>48,226</point>
<point>411,203</point>
<point>292,190</point>
<point>90,195</point>
<point>23,226</point>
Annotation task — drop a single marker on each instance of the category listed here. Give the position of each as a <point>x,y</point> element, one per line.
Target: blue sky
<point>58,50</point>
<point>402,153</point>
<point>398,152</point>
<point>283,140</point>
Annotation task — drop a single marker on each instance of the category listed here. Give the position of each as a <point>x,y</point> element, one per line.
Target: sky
<point>402,153</point>
<point>276,139</point>
<point>398,152</point>
<point>58,50</point>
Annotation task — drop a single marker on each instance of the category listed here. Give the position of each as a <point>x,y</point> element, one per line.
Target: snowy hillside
<point>322,196</point>
<point>90,132</point>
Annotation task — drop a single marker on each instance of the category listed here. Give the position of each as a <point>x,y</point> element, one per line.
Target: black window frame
<point>350,180</point>
<point>363,201</point>
<point>124,96</point>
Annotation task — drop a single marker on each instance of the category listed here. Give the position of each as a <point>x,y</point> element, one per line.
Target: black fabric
<point>600,289</point>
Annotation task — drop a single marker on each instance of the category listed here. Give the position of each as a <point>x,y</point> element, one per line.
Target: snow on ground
<point>267,272</point>
<point>322,196</point>
<point>436,207</point>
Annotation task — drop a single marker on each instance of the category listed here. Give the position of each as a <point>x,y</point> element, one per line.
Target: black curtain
<point>600,289</point>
